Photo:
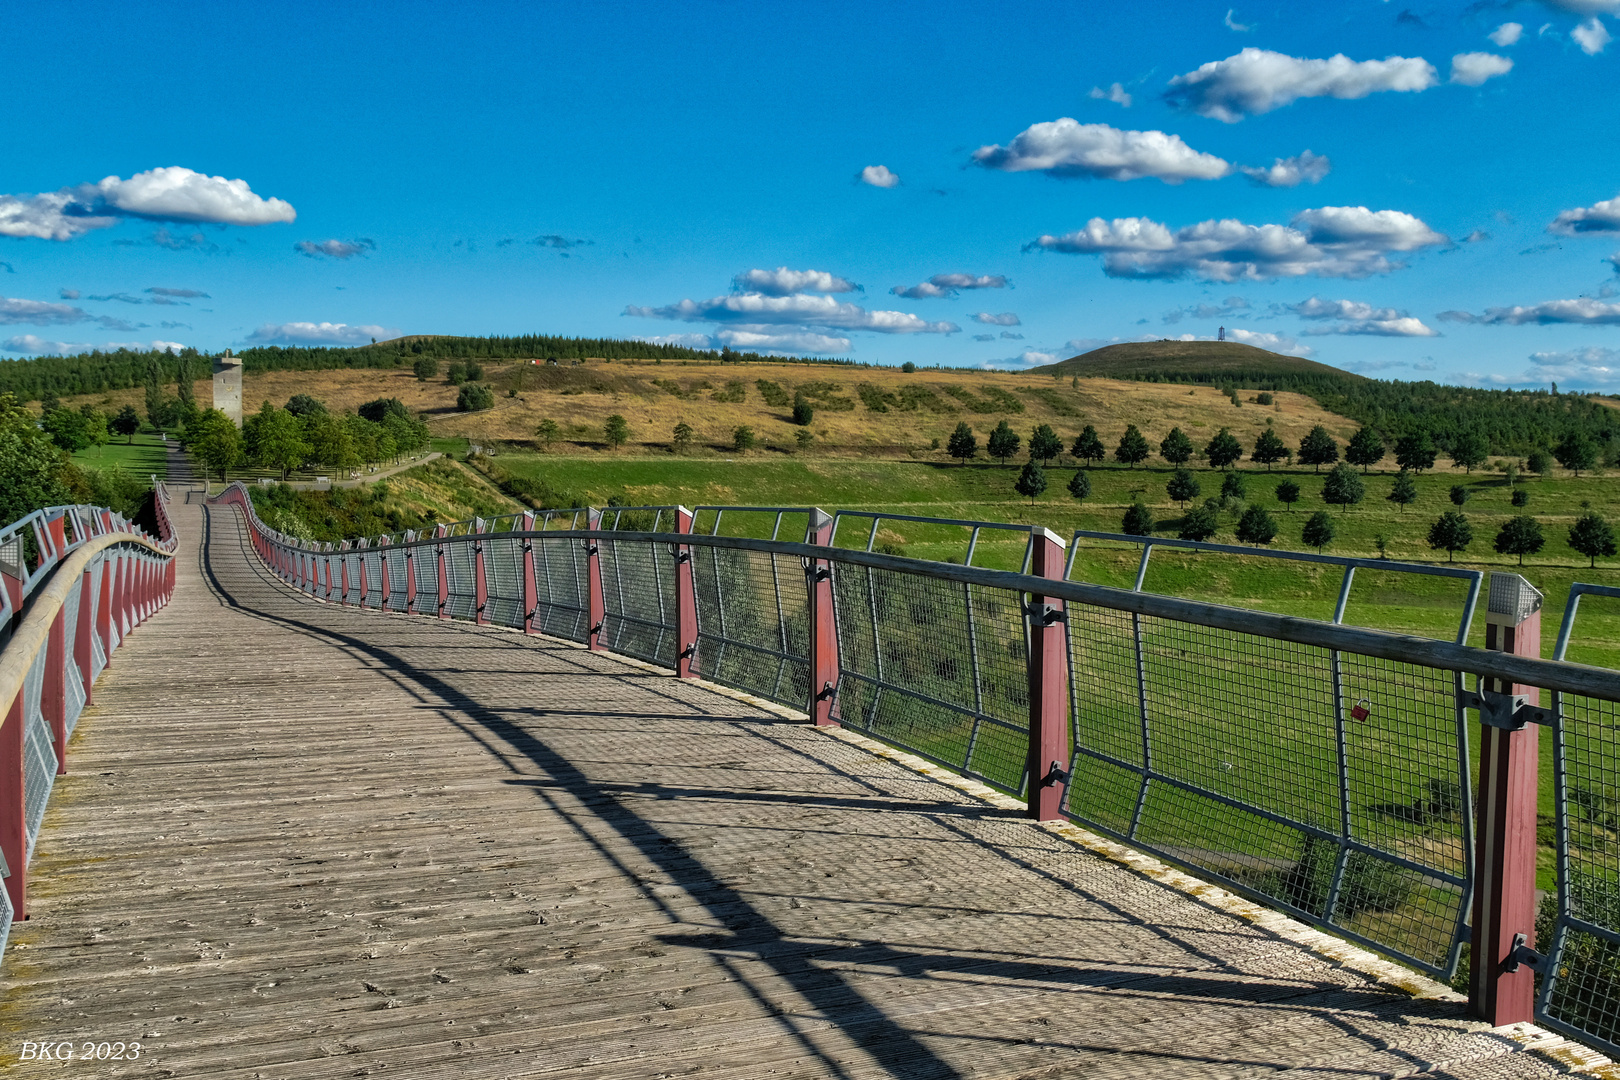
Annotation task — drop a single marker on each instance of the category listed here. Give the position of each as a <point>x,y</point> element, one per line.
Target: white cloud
<point>984,337</point>
<point>879,176</point>
<point>750,309</point>
<point>39,313</point>
<point>1592,36</point>
<point>690,341</point>
<point>1507,34</point>
<point>1069,149</point>
<point>1600,217</point>
<point>1009,335</point>
<point>1356,317</point>
<point>1232,305</point>
<point>1332,241</point>
<point>801,342</point>
<point>68,294</point>
<point>1290,172</point>
<point>335,249</point>
<point>783,282</point>
<point>1614,260</point>
<point>144,346</point>
<point>1258,81</point>
<point>1473,68</point>
<point>181,294</point>
<point>1275,342</point>
<point>1006,318</point>
<point>37,346</point>
<point>308,333</point>
<point>945,286</point>
<point>1232,23</point>
<point>1115,93</point>
<point>1037,358</point>
<point>166,194</point>
<point>1582,311</point>
<point>1589,366</point>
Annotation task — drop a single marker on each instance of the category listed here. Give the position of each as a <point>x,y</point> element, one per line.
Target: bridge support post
<point>83,650</point>
<point>1050,753</point>
<point>531,594</point>
<point>480,574</point>
<point>13,813</point>
<point>410,573</point>
<point>686,622</point>
<point>1504,914</point>
<point>104,603</point>
<point>439,533</point>
<point>595,601</point>
<point>343,571</point>
<point>360,563</point>
<point>822,705</point>
<point>387,582</point>
<point>53,688</point>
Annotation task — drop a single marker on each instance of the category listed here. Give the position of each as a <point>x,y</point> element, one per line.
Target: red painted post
<point>57,528</point>
<point>13,819</point>
<point>686,623</point>
<point>410,574</point>
<point>439,533</point>
<point>1505,831</point>
<point>83,649</point>
<point>531,594</point>
<point>365,578</point>
<point>53,688</point>
<point>822,705</point>
<point>382,573</point>
<point>343,569</point>
<point>104,603</point>
<point>480,581</point>
<point>596,602</point>
<point>1049,744</point>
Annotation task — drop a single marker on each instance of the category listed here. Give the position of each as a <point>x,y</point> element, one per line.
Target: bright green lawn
<point>144,456</point>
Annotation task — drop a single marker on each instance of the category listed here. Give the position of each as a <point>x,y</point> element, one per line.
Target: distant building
<point>1223,334</point>
<point>228,386</point>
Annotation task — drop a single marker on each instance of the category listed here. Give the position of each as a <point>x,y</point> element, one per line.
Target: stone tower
<point>228,386</point>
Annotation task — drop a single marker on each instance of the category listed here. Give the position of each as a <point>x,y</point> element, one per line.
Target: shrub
<point>426,367</point>
<point>475,397</point>
<point>743,438</point>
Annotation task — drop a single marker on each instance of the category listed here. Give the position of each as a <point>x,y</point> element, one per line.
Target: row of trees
<point>1365,449</point>
<point>305,434</point>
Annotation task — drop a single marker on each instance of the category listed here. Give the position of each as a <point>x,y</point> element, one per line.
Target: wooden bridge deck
<point>304,841</point>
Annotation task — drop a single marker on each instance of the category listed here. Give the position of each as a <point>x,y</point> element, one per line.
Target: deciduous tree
<point>1176,448</point>
<point>1519,536</point>
<point>1451,533</point>
<point>1317,448</point>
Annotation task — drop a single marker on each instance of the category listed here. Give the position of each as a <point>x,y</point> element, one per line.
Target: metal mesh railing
<point>1581,989</point>
<point>639,607</point>
<point>462,595</point>
<point>753,626</point>
<point>397,563</point>
<point>562,608</point>
<point>503,575</point>
<point>936,667</point>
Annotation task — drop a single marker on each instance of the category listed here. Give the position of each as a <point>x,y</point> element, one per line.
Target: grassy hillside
<point>1189,361</point>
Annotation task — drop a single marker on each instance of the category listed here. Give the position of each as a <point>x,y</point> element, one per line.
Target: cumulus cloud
<point>1232,305</point>
<point>166,194</point>
<point>1332,241</point>
<point>1290,172</point>
<point>1472,69</point>
<point>143,346</point>
<point>690,341</point>
<point>39,313</point>
<point>797,342</point>
<point>335,249</point>
<point>325,333</point>
<point>879,176</point>
<point>1592,36</point>
<point>1275,342</point>
<point>1581,311</point>
<point>1232,23</point>
<point>1600,217</point>
<point>179,294</point>
<point>38,346</point>
<point>1115,93</point>
<point>1507,34</point>
<point>1006,318</point>
<point>1069,149</point>
<point>945,286</point>
<point>1614,261</point>
<point>1590,366</point>
<point>1355,317</point>
<point>1258,81</point>
<point>749,310</point>
<point>784,282</point>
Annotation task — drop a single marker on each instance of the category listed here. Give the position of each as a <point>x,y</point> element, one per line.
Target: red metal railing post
<point>53,688</point>
<point>104,604</point>
<point>1049,748</point>
<point>343,569</point>
<point>596,601</point>
<point>410,573</point>
<point>822,705</point>
<point>83,650</point>
<point>480,580</point>
<point>686,622</point>
<point>531,592</point>
<point>385,543</point>
<point>362,545</point>
<point>439,533</point>
<point>13,816</point>
<point>1501,991</point>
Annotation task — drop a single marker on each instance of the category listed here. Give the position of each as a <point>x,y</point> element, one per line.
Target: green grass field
<point>143,456</point>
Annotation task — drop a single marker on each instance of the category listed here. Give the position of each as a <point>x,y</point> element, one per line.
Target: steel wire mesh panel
<point>73,681</point>
<point>371,562</point>
<point>39,756</point>
<point>461,571</point>
<point>1238,755</point>
<point>396,562</point>
<point>1583,994</point>
<point>939,668</point>
<point>98,649</point>
<point>753,623</point>
<point>639,601</point>
<point>560,583</point>
<point>503,577</point>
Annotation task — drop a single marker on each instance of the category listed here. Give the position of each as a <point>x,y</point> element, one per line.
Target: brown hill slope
<point>1213,359</point>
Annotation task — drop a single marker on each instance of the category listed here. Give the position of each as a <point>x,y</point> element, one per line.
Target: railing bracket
<point>1046,614</point>
<point>1524,954</point>
<point>1510,712</point>
<point>1057,774</point>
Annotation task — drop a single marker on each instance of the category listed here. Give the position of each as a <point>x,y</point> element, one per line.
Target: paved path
<point>304,841</point>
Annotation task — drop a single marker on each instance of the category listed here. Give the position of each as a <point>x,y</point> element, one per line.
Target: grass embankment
<point>144,455</point>
<point>439,491</point>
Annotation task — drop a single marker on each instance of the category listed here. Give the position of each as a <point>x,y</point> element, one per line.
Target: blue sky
<point>954,184</point>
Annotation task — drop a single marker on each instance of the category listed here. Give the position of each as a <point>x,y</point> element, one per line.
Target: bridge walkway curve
<point>299,840</point>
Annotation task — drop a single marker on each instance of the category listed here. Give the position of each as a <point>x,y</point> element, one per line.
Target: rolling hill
<point>1193,361</point>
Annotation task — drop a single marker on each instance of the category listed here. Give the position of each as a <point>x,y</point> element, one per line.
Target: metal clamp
<point>1523,954</point>
<point>1055,775</point>
<point>1510,712</point>
<point>827,691</point>
<point>1046,614</point>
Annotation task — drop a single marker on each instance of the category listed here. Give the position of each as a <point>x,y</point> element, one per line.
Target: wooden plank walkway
<point>303,841</point>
